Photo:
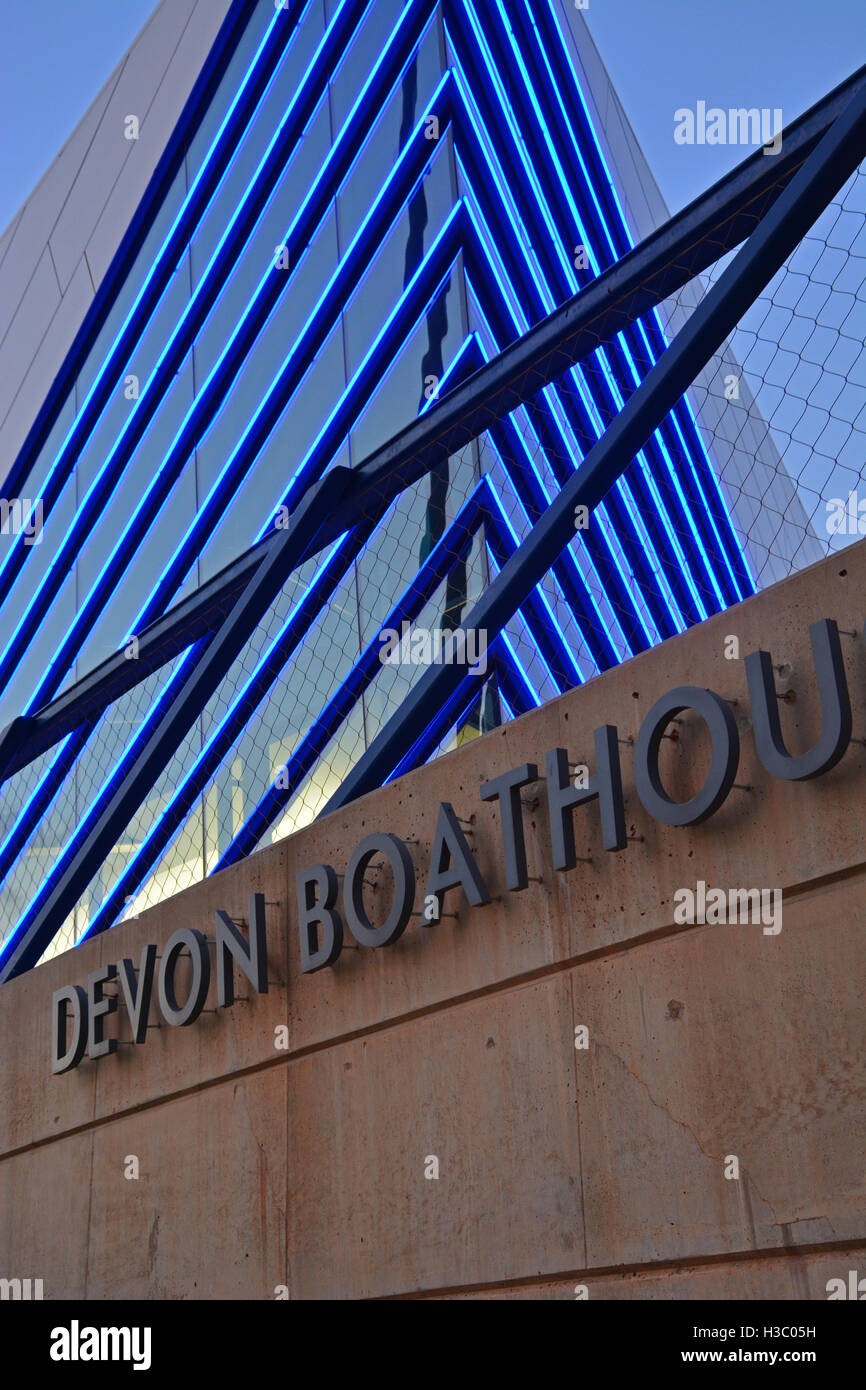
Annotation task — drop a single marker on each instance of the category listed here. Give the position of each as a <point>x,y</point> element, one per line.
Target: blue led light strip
<point>663,448</point>
<point>425,284</point>
<point>611,357</point>
<point>537,612</point>
<point>206,90</point>
<point>553,55</point>
<point>561,455</point>
<point>366,243</point>
<point>548,241</point>
<point>267,671</point>
<point>204,297</point>
<point>452,715</point>
<point>520,696</point>
<point>640,561</point>
<point>611,386</point>
<point>214,166</point>
<point>663,606</point>
<point>598,539</point>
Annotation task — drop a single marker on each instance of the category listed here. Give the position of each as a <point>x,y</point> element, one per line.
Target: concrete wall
<point>603,1167</point>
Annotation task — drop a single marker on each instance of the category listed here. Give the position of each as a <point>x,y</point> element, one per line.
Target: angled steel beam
<point>164,732</point>
<point>230,726</point>
<point>680,461</point>
<point>828,166</point>
<point>693,239</point>
<point>210,397</point>
<point>432,572</point>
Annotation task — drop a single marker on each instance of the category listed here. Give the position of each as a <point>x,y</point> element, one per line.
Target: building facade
<point>280,235</point>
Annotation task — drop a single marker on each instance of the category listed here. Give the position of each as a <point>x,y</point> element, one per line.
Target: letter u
<point>835,709</point>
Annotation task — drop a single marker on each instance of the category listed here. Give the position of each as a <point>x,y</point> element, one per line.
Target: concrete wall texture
<point>602,1167</point>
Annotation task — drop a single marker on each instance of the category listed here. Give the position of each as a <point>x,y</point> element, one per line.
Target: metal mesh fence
<point>783,408</point>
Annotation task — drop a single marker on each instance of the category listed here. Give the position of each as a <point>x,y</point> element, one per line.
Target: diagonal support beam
<point>105,824</point>
<point>693,239</point>
<point>824,172</point>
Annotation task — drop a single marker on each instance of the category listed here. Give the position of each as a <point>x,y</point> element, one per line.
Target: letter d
<point>65,1053</point>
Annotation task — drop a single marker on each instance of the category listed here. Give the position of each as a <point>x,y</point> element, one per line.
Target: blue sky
<point>665,54</point>
<point>55,56</point>
<point>662,54</point>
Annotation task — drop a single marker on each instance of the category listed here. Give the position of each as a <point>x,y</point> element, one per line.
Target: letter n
<point>252,956</point>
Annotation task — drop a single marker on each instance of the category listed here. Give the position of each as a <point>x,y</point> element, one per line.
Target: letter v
<point>137,994</point>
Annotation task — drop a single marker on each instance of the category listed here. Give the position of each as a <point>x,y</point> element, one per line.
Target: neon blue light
<point>506,642</point>
<point>567,127</point>
<point>528,428</point>
<point>488,251</point>
<point>539,588</point>
<point>601,353</point>
<point>607,533</point>
<point>296,351</point>
<point>502,700</point>
<point>322,179</point>
<point>609,530</point>
<point>576,377</point>
<point>74,525</point>
<point>157,262</point>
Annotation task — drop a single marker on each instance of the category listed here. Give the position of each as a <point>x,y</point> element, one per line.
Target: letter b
<point>315,915</point>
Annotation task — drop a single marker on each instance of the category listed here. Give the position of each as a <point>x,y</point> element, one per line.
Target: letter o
<point>403,869</point>
<point>180,1015</point>
<point>726,755</point>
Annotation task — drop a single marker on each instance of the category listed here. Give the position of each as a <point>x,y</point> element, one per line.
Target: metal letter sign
<point>79,1015</point>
